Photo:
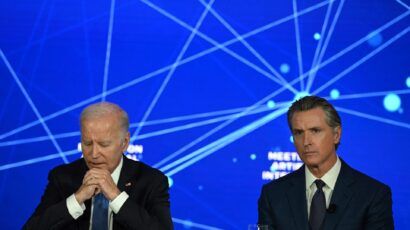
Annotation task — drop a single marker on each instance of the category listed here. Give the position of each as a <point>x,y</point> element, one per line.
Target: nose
<point>307,140</point>
<point>95,151</point>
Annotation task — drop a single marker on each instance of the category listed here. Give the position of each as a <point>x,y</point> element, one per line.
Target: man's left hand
<point>102,178</point>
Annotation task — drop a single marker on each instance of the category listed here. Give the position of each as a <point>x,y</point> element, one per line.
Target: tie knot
<point>319,184</point>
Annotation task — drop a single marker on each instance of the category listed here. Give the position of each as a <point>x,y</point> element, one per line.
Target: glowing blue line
<point>213,42</point>
<point>192,224</point>
<point>219,127</point>
<point>246,44</point>
<point>319,46</point>
<point>189,117</point>
<point>195,124</point>
<point>361,61</point>
<point>33,107</point>
<point>373,117</point>
<point>143,136</point>
<point>190,145</point>
<point>403,4</point>
<point>220,143</point>
<point>154,122</point>
<point>370,94</point>
<point>164,69</point>
<point>38,139</point>
<point>172,70</point>
<point>108,51</point>
<point>298,44</point>
<point>359,42</point>
<point>327,39</point>
<point>37,160</point>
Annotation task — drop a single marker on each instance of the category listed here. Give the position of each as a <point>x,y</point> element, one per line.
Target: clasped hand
<point>96,181</point>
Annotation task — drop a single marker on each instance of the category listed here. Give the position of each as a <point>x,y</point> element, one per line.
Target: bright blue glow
<point>284,68</point>
<point>170,181</point>
<point>187,224</point>
<point>300,95</point>
<point>375,39</point>
<point>271,104</point>
<point>392,102</point>
<point>334,93</point>
<point>291,138</point>
<point>317,36</point>
<point>200,187</point>
<point>408,82</point>
<point>253,156</point>
<point>234,160</point>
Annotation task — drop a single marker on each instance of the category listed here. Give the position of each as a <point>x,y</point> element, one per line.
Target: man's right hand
<point>87,189</point>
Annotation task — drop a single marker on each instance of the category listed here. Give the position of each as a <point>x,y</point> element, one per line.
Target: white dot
<point>253,156</point>
<point>271,104</point>
<point>408,82</point>
<point>317,36</point>
<point>234,160</point>
<point>334,93</point>
<point>284,68</point>
<point>392,102</point>
<point>291,139</point>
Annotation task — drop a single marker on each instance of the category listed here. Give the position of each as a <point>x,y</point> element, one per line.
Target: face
<point>314,139</point>
<point>103,142</point>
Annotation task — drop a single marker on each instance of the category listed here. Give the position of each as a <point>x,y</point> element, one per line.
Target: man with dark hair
<point>325,193</point>
<point>104,190</point>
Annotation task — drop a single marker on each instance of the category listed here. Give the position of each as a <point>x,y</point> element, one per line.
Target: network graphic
<point>207,85</point>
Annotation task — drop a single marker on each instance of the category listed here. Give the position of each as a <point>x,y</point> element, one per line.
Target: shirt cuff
<point>117,203</point>
<point>74,208</point>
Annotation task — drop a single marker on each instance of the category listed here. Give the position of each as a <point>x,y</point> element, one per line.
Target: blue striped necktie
<point>100,213</point>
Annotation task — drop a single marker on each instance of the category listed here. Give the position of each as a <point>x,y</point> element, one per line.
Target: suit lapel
<point>297,199</point>
<point>341,196</point>
<point>125,182</point>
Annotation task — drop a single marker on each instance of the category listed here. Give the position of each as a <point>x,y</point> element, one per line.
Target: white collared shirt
<point>76,210</point>
<point>329,178</point>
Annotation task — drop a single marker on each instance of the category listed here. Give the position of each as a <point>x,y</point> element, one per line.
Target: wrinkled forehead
<point>106,123</point>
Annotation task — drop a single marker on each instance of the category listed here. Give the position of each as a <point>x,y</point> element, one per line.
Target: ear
<point>337,133</point>
<point>125,142</point>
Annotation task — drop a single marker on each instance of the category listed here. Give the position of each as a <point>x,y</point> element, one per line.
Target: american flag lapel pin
<point>128,184</point>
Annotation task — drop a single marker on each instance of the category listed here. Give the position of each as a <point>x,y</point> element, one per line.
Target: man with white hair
<point>104,189</point>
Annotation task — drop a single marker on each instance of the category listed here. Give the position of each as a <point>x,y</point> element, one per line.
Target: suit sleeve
<point>52,212</point>
<point>155,215</point>
<point>265,212</point>
<point>380,215</point>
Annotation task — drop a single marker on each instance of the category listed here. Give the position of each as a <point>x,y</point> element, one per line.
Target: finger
<point>96,171</point>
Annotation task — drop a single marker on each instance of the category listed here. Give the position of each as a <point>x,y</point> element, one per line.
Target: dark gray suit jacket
<point>358,202</point>
<point>146,208</point>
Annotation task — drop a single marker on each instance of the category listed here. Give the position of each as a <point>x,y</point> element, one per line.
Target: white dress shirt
<point>330,180</point>
<point>76,210</point>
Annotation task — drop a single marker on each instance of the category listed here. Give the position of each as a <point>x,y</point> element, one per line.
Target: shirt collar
<point>116,173</point>
<point>329,178</point>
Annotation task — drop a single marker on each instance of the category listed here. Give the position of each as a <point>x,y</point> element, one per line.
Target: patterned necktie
<point>318,206</point>
<point>100,213</point>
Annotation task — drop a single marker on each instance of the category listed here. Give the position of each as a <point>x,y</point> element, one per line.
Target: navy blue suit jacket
<point>358,202</point>
<point>146,208</point>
